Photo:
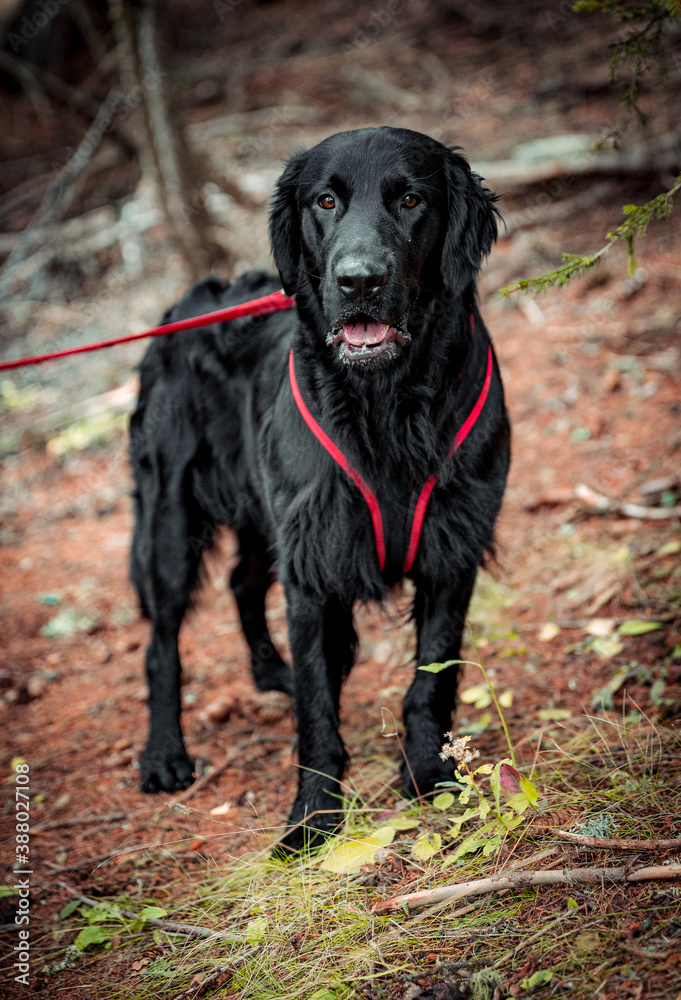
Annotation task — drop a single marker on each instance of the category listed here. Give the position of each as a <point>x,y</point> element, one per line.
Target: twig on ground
<point>653,158</point>
<point>649,955</point>
<point>533,859</point>
<point>171,926</point>
<point>620,844</point>
<point>604,504</point>
<point>78,821</point>
<point>523,880</point>
<point>514,866</point>
<point>204,780</point>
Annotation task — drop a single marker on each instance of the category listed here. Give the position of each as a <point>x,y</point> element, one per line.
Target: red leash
<point>255,307</point>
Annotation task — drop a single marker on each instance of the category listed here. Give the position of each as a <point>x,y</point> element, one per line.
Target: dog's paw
<point>165,772</point>
<point>309,826</point>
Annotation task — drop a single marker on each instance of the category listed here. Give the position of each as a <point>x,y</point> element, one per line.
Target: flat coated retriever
<point>352,442</point>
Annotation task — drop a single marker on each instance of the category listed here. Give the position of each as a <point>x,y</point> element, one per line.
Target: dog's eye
<point>326,201</point>
<point>410,200</point>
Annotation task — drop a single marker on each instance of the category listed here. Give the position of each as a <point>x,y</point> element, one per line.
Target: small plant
<point>517,790</point>
<point>518,793</point>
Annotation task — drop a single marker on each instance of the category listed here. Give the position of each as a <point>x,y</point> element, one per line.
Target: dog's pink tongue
<point>359,334</point>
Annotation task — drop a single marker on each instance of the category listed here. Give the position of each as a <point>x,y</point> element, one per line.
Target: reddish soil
<point>593,382</point>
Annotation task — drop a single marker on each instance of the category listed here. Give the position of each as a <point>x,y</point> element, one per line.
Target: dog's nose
<point>360,280</point>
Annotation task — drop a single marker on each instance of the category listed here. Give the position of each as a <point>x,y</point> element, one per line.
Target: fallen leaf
<point>153,913</point>
<point>601,627</point>
<point>256,930</point>
<point>426,846</point>
<point>605,648</point>
<point>348,856</point>
<point>553,714</point>
<point>548,632</point>
<point>538,979</point>
<point>478,696</point>
<point>588,940</point>
<point>67,622</point>
<point>404,823</point>
<point>221,810</point>
<point>638,627</point>
<point>443,801</point>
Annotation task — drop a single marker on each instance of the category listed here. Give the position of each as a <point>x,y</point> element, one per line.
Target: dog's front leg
<point>440,618</point>
<point>323,643</point>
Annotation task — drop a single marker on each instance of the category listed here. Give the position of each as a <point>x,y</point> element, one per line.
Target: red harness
<point>366,491</point>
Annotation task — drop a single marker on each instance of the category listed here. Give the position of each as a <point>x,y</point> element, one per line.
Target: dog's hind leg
<point>250,581</point>
<point>440,619</point>
<point>177,538</point>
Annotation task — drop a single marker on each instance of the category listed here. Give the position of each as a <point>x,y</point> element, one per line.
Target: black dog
<point>360,439</point>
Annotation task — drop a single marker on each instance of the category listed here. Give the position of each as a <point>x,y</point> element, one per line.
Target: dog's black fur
<point>378,226</point>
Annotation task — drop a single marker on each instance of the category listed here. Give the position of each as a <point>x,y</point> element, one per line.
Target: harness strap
<point>369,496</point>
<point>338,456</point>
<point>459,438</point>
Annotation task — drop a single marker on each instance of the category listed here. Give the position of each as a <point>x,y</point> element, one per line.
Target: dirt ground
<point>593,382</point>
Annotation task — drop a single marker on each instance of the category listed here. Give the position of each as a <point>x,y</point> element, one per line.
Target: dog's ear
<point>285,223</point>
<point>471,225</point>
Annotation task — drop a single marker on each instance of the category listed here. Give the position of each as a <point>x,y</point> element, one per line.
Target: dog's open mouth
<point>364,341</point>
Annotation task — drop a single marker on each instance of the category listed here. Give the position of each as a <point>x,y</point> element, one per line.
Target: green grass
<point>296,931</point>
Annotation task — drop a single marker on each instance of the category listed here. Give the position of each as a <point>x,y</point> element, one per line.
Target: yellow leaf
<point>346,856</point>
<point>385,835</point>
<point>426,846</point>
<point>606,648</point>
<point>256,930</point>
<point>506,699</point>
<point>443,801</point>
<point>404,823</point>
<point>548,632</point>
<point>472,694</point>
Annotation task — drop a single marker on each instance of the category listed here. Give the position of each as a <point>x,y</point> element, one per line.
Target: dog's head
<point>370,228</point>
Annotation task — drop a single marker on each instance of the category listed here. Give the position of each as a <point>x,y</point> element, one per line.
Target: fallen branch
<point>656,157</point>
<point>620,844</point>
<point>171,926</point>
<point>67,244</point>
<point>204,780</point>
<point>78,821</point>
<point>514,866</point>
<point>603,504</point>
<point>649,955</point>
<point>57,197</point>
<point>524,880</point>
